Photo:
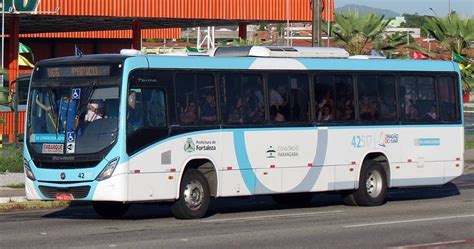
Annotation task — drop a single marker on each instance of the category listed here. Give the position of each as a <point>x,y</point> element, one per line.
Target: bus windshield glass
<point>73,111</point>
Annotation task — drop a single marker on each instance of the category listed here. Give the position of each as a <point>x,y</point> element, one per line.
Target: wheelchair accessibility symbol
<point>71,137</point>
<point>76,93</point>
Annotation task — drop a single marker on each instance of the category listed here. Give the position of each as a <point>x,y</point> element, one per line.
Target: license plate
<point>64,197</point>
<point>53,149</point>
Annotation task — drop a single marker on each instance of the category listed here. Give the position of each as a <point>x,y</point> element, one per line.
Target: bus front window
<point>72,120</point>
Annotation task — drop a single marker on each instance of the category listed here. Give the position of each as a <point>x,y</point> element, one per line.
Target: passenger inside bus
<point>431,114</point>
<point>190,113</point>
<point>348,113</point>
<point>276,116</point>
<point>208,109</point>
<point>326,113</point>
<point>368,108</point>
<point>388,108</point>
<point>67,113</point>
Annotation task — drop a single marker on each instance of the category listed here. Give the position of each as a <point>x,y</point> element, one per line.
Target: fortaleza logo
<point>199,145</point>
<point>21,5</point>
<point>388,139</point>
<point>283,151</point>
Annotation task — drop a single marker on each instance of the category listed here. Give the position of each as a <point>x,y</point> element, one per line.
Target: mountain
<point>362,9</point>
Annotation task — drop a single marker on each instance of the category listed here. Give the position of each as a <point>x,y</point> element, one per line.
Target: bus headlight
<point>28,171</point>
<point>108,170</point>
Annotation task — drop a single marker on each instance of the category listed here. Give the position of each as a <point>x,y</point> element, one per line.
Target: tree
<point>391,42</point>
<point>354,32</point>
<point>454,35</point>
<point>414,21</point>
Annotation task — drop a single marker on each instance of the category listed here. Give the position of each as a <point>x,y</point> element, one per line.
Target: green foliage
<point>454,35</point>
<point>11,159</point>
<point>242,42</point>
<point>354,32</point>
<point>414,21</point>
<point>453,32</point>
<point>467,75</point>
<point>390,43</point>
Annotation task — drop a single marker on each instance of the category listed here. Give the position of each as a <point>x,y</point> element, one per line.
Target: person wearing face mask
<point>94,112</point>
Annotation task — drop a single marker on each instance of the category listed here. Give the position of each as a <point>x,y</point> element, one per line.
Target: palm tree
<point>453,33</point>
<point>391,42</point>
<point>354,32</point>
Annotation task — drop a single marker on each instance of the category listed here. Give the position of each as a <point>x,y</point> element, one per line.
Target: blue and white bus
<point>124,129</point>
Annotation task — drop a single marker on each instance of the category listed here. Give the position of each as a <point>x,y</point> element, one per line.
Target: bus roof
<point>259,63</point>
<point>94,58</point>
<point>253,63</point>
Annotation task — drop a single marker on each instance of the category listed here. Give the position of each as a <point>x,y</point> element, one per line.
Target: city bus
<point>281,121</point>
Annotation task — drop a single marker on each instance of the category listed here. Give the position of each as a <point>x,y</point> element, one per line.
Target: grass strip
<point>14,206</point>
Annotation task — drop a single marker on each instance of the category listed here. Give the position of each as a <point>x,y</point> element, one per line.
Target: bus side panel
<point>425,153</point>
<point>454,166</point>
<point>112,189</point>
<point>237,179</point>
<point>189,148</point>
<point>151,175</point>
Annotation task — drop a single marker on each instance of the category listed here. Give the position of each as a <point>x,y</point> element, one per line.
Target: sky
<point>422,7</point>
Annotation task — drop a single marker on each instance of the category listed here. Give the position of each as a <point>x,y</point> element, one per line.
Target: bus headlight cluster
<point>28,171</point>
<point>108,170</point>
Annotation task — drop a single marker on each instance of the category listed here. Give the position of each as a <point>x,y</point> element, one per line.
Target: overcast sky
<point>463,7</point>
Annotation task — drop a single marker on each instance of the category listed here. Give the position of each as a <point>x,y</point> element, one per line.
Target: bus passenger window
<point>344,104</point>
<point>289,98</point>
<point>207,94</point>
<point>367,93</point>
<point>417,99</point>
<point>448,99</point>
<point>134,112</point>
<point>242,98</point>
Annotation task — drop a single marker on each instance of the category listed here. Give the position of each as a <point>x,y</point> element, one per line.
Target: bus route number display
<point>85,71</point>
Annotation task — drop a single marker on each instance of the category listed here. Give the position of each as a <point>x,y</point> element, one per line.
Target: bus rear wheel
<point>109,209</point>
<point>372,186</point>
<point>194,196</point>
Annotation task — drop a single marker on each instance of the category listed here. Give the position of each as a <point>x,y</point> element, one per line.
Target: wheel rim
<point>374,183</point>
<point>193,194</point>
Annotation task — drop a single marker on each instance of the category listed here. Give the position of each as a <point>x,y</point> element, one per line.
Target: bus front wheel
<point>372,186</point>
<point>109,209</point>
<point>194,196</point>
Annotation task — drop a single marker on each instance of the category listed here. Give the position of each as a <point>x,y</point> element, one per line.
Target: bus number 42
<point>361,141</point>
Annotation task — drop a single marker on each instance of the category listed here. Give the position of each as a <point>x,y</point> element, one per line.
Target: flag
<point>457,57</point>
<point>23,49</point>
<point>419,55</point>
<point>77,51</point>
<point>194,50</point>
<point>22,61</point>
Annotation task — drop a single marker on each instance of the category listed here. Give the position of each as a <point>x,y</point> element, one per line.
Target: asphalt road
<point>420,216</point>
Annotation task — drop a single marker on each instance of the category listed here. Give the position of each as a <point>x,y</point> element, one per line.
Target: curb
<point>13,199</point>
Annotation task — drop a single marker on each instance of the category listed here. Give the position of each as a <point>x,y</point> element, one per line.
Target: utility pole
<point>316,39</point>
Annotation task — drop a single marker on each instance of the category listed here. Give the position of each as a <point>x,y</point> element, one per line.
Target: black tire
<point>194,196</point>
<point>372,186</point>
<point>293,199</point>
<point>109,209</point>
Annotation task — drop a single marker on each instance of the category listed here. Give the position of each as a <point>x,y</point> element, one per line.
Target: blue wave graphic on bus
<point>250,178</point>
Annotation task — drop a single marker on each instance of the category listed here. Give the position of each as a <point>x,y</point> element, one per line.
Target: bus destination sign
<point>82,71</point>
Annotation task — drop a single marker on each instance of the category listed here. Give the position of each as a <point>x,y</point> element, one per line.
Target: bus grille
<point>77,192</point>
<point>65,165</point>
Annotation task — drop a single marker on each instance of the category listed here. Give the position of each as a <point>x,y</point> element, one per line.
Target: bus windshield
<point>73,116</point>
